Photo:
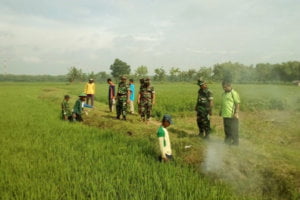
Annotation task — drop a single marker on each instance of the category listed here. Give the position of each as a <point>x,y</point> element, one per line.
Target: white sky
<point>48,37</point>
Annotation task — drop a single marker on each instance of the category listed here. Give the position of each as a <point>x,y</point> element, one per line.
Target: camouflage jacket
<point>146,93</point>
<point>203,100</point>
<point>123,91</point>
<point>65,107</point>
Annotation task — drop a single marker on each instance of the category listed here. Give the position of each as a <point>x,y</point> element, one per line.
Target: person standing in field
<point>65,109</point>
<point>203,108</point>
<point>132,93</point>
<point>142,82</point>
<point>111,94</point>
<point>78,108</point>
<point>164,139</point>
<point>230,112</point>
<point>122,98</point>
<point>89,90</point>
<point>146,99</point>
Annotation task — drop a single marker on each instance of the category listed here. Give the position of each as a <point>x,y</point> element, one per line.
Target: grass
<point>45,158</point>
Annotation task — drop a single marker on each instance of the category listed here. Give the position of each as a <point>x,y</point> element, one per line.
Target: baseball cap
<point>167,118</point>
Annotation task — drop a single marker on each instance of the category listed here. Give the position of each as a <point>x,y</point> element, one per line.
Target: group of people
<point>229,110</point>
<point>125,96</point>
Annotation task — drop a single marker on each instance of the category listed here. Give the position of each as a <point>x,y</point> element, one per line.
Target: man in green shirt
<point>230,112</point>
<point>77,109</point>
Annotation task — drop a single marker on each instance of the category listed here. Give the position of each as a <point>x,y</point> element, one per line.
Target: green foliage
<point>160,74</point>
<point>75,74</point>
<point>119,68</point>
<point>141,71</point>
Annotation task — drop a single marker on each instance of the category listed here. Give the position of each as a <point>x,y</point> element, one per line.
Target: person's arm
<point>236,105</point>
<point>211,105</point>
<point>153,96</point>
<point>128,95</point>
<point>139,98</point>
<point>94,88</point>
<point>236,111</point>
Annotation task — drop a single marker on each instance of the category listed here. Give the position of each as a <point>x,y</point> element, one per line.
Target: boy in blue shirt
<point>132,93</point>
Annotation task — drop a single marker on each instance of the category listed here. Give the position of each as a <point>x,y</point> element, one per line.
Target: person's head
<point>67,97</point>
<point>166,121</point>
<point>123,79</point>
<point>226,86</point>
<point>82,97</point>
<point>109,81</point>
<point>131,81</point>
<point>91,80</point>
<point>147,82</point>
<point>202,84</point>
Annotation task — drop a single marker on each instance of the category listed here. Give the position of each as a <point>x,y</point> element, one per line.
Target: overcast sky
<point>50,36</point>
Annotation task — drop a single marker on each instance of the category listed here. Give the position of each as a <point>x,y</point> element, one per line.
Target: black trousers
<point>231,129</point>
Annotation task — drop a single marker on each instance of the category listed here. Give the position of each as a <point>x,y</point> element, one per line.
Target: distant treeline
<point>286,72</point>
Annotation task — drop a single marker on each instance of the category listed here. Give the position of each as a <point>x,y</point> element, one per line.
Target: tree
<point>174,73</point>
<point>205,73</point>
<point>160,74</point>
<point>141,71</point>
<point>74,74</point>
<point>119,68</point>
<point>102,76</point>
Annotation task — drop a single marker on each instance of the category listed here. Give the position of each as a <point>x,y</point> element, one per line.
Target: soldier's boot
<point>206,135</point>
<point>118,117</point>
<point>124,118</point>
<point>201,134</point>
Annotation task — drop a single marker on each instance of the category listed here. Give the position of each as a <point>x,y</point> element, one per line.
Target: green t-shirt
<point>78,107</point>
<point>229,100</point>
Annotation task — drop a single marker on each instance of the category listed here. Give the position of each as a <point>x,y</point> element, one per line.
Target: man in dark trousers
<point>111,94</point>
<point>122,98</point>
<point>230,107</point>
<point>203,108</point>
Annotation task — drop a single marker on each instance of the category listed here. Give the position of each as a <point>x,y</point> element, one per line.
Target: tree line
<point>236,72</point>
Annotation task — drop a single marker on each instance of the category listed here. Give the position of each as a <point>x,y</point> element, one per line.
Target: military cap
<point>201,82</point>
<point>123,77</point>
<point>82,95</point>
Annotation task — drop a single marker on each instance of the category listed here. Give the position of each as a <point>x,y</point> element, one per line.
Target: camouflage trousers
<point>121,107</point>
<point>203,123</point>
<point>145,110</point>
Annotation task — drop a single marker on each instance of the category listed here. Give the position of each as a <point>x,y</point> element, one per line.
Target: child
<point>65,109</point>
<point>77,110</point>
<point>164,140</point>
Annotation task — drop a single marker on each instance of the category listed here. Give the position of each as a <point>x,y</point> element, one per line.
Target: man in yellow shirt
<point>89,90</point>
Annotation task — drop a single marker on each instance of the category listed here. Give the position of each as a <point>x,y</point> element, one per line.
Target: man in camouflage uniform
<point>142,81</point>
<point>146,99</point>
<point>122,98</point>
<point>204,109</point>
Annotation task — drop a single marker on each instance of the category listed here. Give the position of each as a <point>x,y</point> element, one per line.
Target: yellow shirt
<point>89,88</point>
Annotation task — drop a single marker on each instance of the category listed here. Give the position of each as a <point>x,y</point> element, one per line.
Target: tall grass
<point>45,158</point>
